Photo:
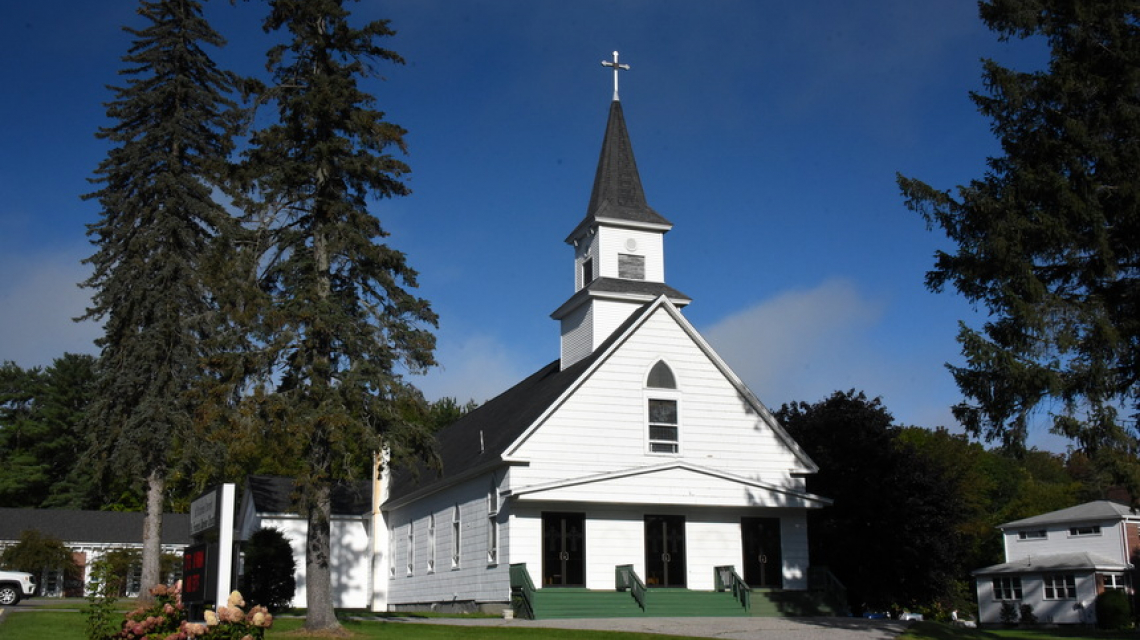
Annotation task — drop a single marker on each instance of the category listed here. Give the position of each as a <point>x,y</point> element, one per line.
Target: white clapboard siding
<point>602,427</point>
<point>350,562</point>
<point>649,244</point>
<point>475,578</point>
<point>615,535</point>
<point>1109,543</point>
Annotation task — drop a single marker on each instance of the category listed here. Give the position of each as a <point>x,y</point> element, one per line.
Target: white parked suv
<point>16,585</point>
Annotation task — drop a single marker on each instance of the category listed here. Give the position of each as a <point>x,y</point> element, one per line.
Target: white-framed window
<point>431,543</point>
<point>493,538</point>
<point>1037,534</point>
<point>1007,588</point>
<point>663,415</point>
<point>392,553</point>
<point>1085,530</point>
<point>1118,581</point>
<point>455,541</point>
<point>1060,586</point>
<point>411,548</point>
<point>664,428</point>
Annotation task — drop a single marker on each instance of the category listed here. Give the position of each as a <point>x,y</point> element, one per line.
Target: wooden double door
<point>763,561</point>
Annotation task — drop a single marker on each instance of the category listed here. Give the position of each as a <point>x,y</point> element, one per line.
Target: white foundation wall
<point>476,578</point>
<point>615,535</point>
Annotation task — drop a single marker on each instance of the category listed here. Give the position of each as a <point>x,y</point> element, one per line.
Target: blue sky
<point>769,133</point>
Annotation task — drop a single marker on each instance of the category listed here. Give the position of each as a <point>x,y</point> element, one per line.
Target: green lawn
<point>936,631</point>
<point>60,625</point>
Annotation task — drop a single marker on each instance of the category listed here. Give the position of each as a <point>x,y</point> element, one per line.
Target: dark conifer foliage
<point>340,327</point>
<point>171,137</point>
<point>42,435</point>
<point>1048,240</point>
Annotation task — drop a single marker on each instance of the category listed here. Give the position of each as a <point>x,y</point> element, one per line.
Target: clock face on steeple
<point>630,244</point>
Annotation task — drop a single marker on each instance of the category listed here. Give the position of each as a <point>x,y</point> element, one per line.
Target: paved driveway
<point>727,628</point>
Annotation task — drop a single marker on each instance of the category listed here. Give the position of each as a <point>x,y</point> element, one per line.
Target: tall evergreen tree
<point>172,136</point>
<point>1048,240</point>
<point>340,326</point>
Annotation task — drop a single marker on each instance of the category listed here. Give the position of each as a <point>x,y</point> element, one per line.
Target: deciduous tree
<point>1048,240</point>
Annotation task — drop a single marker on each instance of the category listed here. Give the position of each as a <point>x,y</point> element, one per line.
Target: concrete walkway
<point>727,628</point>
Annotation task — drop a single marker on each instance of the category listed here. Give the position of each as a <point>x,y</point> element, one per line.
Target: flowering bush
<point>165,619</point>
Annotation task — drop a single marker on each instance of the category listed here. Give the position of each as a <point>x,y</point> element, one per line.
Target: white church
<point>635,464</point>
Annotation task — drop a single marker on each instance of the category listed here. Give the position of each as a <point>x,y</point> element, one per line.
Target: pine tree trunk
<point>318,570</point>
<point>152,534</point>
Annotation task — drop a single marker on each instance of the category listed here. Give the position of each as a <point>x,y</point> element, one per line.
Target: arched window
<point>663,416</point>
<point>661,377</point>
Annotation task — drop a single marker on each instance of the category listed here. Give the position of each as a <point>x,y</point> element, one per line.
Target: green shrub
<point>268,579</point>
<point>1008,613</point>
<point>1027,615</point>
<point>1113,610</point>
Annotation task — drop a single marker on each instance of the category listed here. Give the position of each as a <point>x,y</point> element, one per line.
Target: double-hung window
<point>1007,588</point>
<point>1060,586</point>
<point>662,410</point>
<point>455,541</point>
<point>431,543</point>
<point>493,525</point>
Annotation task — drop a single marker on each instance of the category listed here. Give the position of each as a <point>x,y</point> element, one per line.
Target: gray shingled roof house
<point>89,534</point>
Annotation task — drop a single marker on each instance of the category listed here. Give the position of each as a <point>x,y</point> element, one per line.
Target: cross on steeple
<point>617,67</point>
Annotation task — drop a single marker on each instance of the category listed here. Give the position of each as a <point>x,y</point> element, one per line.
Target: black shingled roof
<point>500,420</point>
<point>100,527</point>
<point>617,184</point>
<point>274,494</point>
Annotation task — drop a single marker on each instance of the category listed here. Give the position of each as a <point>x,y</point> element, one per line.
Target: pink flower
<point>211,618</point>
<point>235,600</point>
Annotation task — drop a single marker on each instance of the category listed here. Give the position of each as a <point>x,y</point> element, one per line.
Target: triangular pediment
<point>676,483</point>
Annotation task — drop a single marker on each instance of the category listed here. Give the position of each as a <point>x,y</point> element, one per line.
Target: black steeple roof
<point>617,185</point>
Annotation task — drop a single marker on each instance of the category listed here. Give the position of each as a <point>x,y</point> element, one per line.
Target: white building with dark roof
<point>89,535</point>
<point>638,457</point>
<point>1057,563</point>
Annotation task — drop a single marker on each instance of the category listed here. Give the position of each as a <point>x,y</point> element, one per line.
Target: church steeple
<point>619,254</point>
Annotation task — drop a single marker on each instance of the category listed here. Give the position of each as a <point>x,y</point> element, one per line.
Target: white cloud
<point>475,367</point>
<point>39,296</point>
<point>800,345</point>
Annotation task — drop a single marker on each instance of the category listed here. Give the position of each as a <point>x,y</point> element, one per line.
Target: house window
<point>1007,588</point>
<point>631,267</point>
<point>1032,535</point>
<point>493,524</point>
<point>431,543</point>
<point>661,377</point>
<point>1086,530</point>
<point>587,271</point>
<point>663,427</point>
<point>493,539</point>
<point>1060,586</point>
<point>1116,581</point>
<point>411,548</point>
<point>455,537</point>
<point>392,553</point>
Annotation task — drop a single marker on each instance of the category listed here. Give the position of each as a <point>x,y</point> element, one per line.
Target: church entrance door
<point>665,551</point>
<point>763,565</point>
<point>563,549</point>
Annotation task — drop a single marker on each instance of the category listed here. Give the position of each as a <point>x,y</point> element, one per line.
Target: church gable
<point>619,416</point>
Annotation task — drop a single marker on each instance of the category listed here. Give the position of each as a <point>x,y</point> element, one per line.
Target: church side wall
<point>436,581</point>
